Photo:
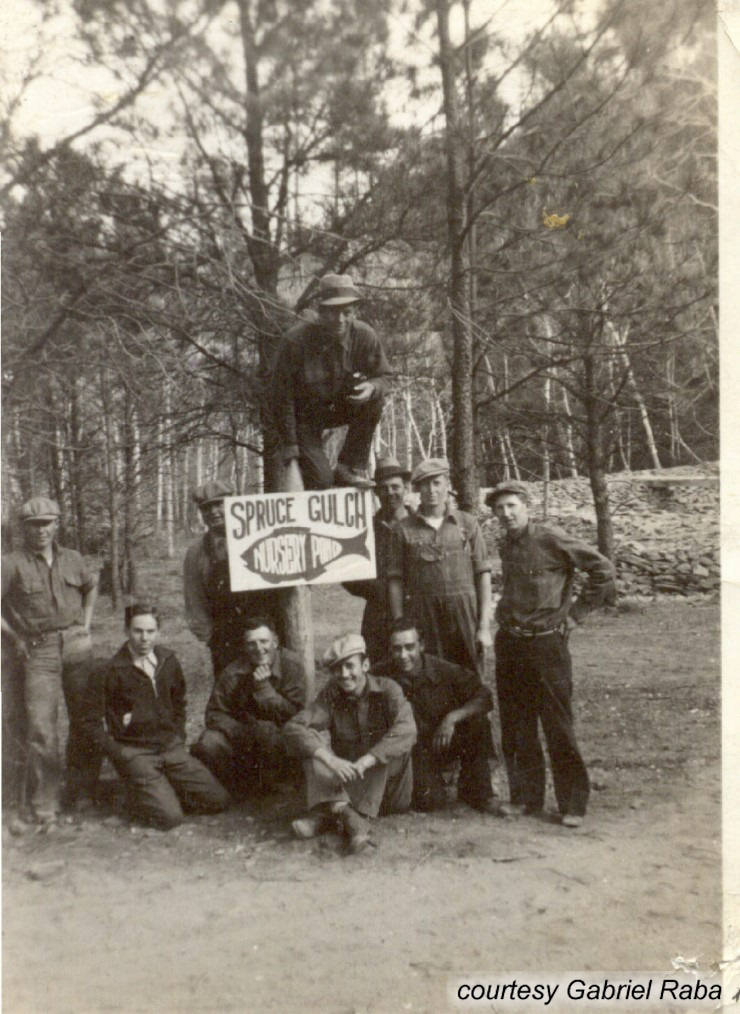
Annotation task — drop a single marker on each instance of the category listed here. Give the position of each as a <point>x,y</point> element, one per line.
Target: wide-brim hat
<point>344,647</point>
<point>337,290</point>
<point>210,492</point>
<point>40,508</point>
<point>511,488</point>
<point>389,468</point>
<point>429,468</point>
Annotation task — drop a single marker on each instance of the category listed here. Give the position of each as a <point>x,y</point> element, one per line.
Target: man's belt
<point>528,634</point>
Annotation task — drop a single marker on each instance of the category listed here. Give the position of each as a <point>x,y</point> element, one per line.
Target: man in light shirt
<point>136,715</point>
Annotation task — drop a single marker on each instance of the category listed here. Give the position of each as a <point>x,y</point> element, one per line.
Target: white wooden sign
<point>315,537</point>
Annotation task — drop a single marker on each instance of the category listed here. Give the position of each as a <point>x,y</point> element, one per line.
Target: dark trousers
<point>163,785</point>
<point>534,683</point>
<point>361,421</point>
<point>249,757</point>
<point>472,743</point>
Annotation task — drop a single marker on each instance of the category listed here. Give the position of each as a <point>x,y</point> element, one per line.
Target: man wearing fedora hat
<point>48,598</point>
<point>533,664</point>
<point>439,562</point>
<point>355,740</point>
<point>390,486</point>
<point>214,613</point>
<point>330,371</point>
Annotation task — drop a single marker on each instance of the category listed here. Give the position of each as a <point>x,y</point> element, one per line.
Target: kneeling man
<point>135,714</point>
<point>356,740</point>
<point>253,698</point>
<point>450,706</point>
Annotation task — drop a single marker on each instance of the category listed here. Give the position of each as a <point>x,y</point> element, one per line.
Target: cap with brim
<point>344,647</point>
<point>211,491</point>
<point>389,468</point>
<point>40,508</point>
<point>337,290</point>
<point>429,468</point>
<point>512,488</point>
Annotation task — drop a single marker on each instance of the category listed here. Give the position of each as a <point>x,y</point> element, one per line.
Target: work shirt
<point>312,372</point>
<point>438,569</point>
<point>538,568</point>
<point>123,707</point>
<point>439,688</point>
<point>37,598</point>
<point>236,696</point>
<point>438,562</point>
<point>380,721</point>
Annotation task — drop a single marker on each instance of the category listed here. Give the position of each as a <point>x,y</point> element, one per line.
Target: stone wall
<point>666,526</point>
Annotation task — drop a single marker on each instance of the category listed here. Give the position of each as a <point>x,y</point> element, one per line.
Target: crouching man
<point>242,743</point>
<point>450,706</point>
<point>355,740</point>
<point>136,714</point>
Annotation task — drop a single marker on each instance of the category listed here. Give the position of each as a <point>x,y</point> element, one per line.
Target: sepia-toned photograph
<point>361,507</point>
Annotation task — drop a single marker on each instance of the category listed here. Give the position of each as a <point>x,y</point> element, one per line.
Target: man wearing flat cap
<point>48,598</point>
<point>439,563</point>
<point>214,613</point>
<point>329,371</point>
<point>533,665</point>
<point>355,740</point>
<point>390,487</point>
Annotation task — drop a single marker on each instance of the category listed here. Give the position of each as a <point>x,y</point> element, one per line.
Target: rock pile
<point>666,526</point>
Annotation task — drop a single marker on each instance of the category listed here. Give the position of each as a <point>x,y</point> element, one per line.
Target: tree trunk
<point>620,345</point>
<point>130,484</point>
<point>568,427</point>
<point>595,459</point>
<point>463,449</point>
<point>111,492</point>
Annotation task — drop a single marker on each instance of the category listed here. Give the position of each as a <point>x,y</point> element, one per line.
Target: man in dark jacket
<point>253,698</point>
<point>355,739</point>
<point>390,486</point>
<point>214,613</point>
<point>533,667</point>
<point>328,372</point>
<point>136,715</point>
<point>450,707</point>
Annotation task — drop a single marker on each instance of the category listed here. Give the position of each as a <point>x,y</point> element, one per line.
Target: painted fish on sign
<point>292,553</point>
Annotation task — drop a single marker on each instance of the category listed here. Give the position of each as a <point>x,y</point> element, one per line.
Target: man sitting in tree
<point>329,372</point>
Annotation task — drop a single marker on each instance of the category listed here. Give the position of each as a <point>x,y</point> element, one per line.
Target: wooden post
<point>296,616</point>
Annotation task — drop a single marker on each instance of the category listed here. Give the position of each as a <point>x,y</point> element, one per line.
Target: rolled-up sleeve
<point>600,584</point>
<point>401,736</point>
<point>479,553</point>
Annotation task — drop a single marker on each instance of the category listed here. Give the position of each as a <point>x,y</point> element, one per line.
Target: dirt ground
<point>229,913</point>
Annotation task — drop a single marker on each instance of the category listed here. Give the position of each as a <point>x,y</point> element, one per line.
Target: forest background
<point>526,193</point>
